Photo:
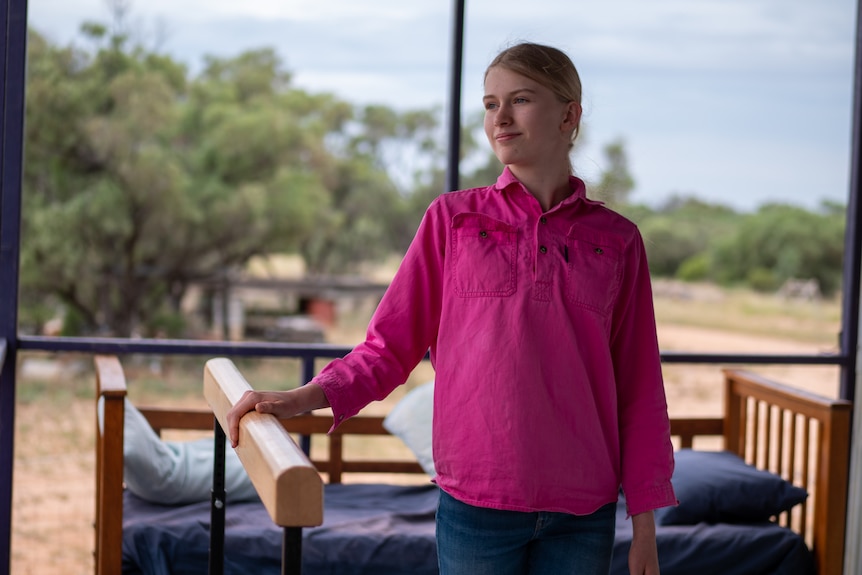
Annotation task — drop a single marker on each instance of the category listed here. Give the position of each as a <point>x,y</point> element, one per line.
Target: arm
<point>645,445</point>
<point>643,555</point>
<point>282,404</point>
<point>401,331</point>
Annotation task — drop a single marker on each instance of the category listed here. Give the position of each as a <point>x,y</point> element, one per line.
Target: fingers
<point>248,402</point>
<point>281,404</point>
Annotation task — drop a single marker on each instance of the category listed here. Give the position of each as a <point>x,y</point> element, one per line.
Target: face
<point>526,124</point>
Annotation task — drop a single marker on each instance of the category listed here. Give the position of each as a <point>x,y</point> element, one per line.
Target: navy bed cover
<point>375,529</point>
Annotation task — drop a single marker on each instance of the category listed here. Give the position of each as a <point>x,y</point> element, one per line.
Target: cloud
<point>757,87</point>
<point>296,10</point>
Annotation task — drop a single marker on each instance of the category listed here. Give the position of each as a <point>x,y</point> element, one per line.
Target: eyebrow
<point>510,94</point>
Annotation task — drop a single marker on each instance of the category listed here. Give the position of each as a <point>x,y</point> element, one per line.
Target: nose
<point>502,117</point>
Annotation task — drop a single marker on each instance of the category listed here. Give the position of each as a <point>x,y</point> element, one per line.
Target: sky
<point>737,102</point>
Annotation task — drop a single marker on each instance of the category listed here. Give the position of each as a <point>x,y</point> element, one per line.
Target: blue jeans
<point>479,541</point>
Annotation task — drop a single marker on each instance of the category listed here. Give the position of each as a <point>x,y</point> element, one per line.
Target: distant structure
<point>801,289</point>
<point>288,310</point>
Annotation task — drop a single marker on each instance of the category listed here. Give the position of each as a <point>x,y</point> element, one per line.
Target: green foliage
<point>762,279</point>
<point>616,182</point>
<point>679,230</point>
<point>695,268</point>
<point>73,324</point>
<point>140,180</point>
<point>787,242</point>
<point>697,241</point>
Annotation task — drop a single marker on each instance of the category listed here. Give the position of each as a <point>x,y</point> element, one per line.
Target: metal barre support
<point>217,504</point>
<point>291,551</point>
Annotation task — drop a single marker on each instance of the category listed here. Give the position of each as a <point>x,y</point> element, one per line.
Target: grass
<point>747,312</point>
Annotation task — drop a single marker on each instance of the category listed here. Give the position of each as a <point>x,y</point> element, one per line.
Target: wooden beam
<point>286,481</point>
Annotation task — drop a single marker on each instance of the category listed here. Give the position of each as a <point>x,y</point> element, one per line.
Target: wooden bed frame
<point>800,436</point>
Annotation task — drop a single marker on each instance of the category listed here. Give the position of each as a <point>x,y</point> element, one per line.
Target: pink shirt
<point>548,388</point>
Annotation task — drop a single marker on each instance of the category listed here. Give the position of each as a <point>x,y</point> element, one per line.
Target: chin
<point>506,157</point>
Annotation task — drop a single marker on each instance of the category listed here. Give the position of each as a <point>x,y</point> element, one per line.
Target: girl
<point>536,305</point>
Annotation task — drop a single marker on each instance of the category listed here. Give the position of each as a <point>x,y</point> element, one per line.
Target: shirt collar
<point>579,189</point>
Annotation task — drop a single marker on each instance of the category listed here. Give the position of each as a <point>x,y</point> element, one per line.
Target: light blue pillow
<point>175,472</point>
<point>410,420</point>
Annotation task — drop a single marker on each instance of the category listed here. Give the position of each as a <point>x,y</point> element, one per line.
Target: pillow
<point>410,420</point>
<point>175,472</point>
<point>719,487</point>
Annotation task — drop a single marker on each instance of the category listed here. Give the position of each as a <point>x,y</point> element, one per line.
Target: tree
<point>781,242</point>
<point>616,182</point>
<point>140,180</point>
<point>681,229</point>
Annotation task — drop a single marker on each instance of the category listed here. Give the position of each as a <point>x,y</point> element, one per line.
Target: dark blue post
<point>13,55</point>
<point>453,152</point>
<point>852,247</point>
<point>218,503</point>
<point>291,551</point>
<point>307,375</point>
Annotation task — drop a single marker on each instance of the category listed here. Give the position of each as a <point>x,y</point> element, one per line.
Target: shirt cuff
<point>649,499</point>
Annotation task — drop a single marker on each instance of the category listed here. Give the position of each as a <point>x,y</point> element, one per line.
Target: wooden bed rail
<point>804,438</point>
<point>285,479</point>
<point>686,429</point>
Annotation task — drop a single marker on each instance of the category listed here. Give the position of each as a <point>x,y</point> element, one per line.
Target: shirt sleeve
<point>645,445</point>
<point>400,332</point>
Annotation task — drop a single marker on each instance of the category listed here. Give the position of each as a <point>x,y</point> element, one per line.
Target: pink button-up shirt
<point>548,389</point>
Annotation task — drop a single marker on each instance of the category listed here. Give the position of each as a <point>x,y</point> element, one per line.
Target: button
<point>341,417</point>
<point>599,251</point>
<point>543,220</point>
<point>543,249</point>
<point>483,234</point>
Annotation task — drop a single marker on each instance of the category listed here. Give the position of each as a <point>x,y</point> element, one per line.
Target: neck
<point>549,188</point>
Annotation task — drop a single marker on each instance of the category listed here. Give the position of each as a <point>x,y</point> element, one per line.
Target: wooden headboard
<point>800,436</point>
<point>804,438</point>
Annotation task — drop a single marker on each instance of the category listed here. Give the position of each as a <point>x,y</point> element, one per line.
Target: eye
<point>519,100</point>
<point>490,105</point>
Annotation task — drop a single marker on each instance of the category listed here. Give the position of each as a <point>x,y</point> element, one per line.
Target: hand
<point>282,404</point>
<point>643,555</point>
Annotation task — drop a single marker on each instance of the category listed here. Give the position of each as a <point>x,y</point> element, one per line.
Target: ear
<point>572,117</point>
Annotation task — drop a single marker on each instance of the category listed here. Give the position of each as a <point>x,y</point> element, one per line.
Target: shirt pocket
<point>484,256</point>
<point>594,272</point>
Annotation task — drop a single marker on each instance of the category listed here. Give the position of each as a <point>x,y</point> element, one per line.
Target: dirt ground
<point>53,504</point>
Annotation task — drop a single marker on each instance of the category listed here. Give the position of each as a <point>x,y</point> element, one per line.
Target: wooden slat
<point>734,421</point>
<point>370,466</point>
<point>161,418</point>
<point>779,445</point>
<point>755,432</point>
<point>286,481</point>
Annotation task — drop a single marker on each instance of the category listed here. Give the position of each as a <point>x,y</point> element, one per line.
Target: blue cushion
<point>719,487</point>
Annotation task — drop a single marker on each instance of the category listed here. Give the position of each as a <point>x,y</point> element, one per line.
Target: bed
<point>767,495</point>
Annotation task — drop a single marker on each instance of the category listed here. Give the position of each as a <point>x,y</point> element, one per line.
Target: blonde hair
<point>548,66</point>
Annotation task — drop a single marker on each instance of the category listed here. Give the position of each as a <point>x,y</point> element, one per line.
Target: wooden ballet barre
<point>288,484</point>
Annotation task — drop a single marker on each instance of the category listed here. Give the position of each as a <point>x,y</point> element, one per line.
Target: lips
<point>506,136</point>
